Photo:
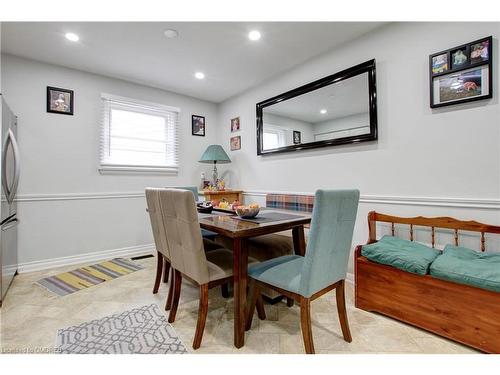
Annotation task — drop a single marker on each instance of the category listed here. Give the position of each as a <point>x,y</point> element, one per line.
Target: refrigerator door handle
<point>9,225</point>
<point>17,168</point>
<point>10,192</point>
<point>4,167</point>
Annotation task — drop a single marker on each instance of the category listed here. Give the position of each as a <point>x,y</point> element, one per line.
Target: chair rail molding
<point>481,203</point>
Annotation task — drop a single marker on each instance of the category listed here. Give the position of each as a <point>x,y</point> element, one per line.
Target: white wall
<point>451,153</point>
<point>66,207</point>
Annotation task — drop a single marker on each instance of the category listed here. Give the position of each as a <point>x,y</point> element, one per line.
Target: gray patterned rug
<point>144,330</point>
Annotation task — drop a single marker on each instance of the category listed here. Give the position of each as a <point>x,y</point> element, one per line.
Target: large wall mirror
<point>338,109</point>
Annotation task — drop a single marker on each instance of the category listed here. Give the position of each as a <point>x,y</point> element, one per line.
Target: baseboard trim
<point>124,252</point>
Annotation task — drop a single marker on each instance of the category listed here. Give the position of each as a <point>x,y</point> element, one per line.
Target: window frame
<point>109,102</point>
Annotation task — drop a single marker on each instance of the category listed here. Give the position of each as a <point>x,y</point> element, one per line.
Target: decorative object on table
<point>205,207</point>
<point>296,137</point>
<point>235,143</point>
<point>217,196</point>
<point>461,74</point>
<point>85,277</point>
<point>142,330</point>
<point>60,100</point>
<point>214,154</point>
<point>235,124</point>
<point>247,212</point>
<point>198,125</point>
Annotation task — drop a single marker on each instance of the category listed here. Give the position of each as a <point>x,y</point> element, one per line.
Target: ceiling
<point>345,98</point>
<point>140,52</point>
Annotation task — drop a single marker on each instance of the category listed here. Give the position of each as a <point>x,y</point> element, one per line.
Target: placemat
<point>268,217</point>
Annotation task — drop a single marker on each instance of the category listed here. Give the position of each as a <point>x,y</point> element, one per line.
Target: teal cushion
<point>402,254</point>
<point>283,272</point>
<point>466,266</point>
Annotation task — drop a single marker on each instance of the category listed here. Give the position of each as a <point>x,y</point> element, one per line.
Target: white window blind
<point>138,136</point>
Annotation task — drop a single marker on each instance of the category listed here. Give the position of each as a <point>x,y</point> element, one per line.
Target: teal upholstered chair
<point>323,268</point>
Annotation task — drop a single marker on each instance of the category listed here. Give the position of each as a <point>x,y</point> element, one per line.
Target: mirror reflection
<point>335,111</point>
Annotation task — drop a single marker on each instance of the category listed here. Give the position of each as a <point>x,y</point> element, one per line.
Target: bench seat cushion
<point>466,266</point>
<point>405,255</point>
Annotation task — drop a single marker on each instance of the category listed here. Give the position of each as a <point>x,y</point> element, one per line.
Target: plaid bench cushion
<point>290,202</point>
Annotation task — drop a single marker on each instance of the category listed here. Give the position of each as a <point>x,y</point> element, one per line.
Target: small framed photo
<point>198,125</point>
<point>296,137</point>
<point>235,124</point>
<point>462,86</point>
<point>440,63</point>
<point>480,52</point>
<point>459,58</point>
<point>235,143</point>
<point>60,100</point>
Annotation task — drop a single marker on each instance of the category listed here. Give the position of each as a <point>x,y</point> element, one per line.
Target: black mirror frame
<point>366,67</point>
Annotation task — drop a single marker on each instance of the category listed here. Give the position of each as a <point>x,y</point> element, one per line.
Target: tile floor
<point>31,316</point>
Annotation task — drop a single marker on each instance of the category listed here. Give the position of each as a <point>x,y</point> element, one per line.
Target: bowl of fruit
<point>247,212</point>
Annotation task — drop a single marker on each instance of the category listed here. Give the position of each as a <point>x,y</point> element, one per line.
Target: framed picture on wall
<point>235,124</point>
<point>235,143</point>
<point>461,74</point>
<point>60,100</point>
<point>296,137</point>
<point>198,125</point>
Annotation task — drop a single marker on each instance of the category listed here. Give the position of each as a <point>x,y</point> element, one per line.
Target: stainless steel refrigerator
<point>10,180</point>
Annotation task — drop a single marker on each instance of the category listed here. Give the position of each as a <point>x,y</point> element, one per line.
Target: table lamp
<point>214,154</point>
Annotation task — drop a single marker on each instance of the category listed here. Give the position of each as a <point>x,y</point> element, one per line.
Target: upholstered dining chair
<point>322,269</point>
<point>161,244</point>
<point>187,254</point>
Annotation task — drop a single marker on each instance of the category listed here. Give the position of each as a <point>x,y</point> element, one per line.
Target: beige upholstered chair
<point>187,253</point>
<point>161,244</point>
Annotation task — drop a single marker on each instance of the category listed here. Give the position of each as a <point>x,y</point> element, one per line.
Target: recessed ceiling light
<point>323,111</point>
<point>72,37</point>
<point>254,35</point>
<point>171,33</point>
<point>199,75</point>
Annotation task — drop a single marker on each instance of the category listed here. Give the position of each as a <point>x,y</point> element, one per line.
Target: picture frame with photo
<point>461,86</point>
<point>461,74</point>
<point>296,137</point>
<point>198,125</point>
<point>235,124</point>
<point>60,100</point>
<point>235,143</point>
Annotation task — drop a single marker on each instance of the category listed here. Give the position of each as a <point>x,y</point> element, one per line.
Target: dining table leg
<point>240,277</point>
<point>299,240</point>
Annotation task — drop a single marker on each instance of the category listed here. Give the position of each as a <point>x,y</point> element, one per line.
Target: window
<point>138,136</point>
<point>274,137</point>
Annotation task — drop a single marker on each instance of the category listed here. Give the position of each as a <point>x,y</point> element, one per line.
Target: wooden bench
<point>462,313</point>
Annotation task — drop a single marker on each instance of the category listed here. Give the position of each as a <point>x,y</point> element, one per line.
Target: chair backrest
<point>330,239</point>
<point>193,189</point>
<point>182,228</point>
<point>159,235</point>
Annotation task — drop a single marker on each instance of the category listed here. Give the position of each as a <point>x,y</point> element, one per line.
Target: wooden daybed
<point>462,313</point>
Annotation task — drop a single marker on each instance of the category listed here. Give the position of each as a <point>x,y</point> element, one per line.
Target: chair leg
<point>170,296</point>
<point>224,289</point>
<point>166,271</point>
<point>177,294</point>
<point>254,298</point>
<point>202,316</point>
<point>159,269</point>
<point>305,323</point>
<point>261,312</point>
<point>289,302</point>
<point>344,323</point>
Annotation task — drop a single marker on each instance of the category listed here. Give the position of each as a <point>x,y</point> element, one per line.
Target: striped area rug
<point>85,277</point>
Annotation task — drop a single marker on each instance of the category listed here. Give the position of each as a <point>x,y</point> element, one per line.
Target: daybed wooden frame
<point>462,313</point>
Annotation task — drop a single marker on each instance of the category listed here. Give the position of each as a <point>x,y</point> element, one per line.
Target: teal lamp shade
<point>215,154</point>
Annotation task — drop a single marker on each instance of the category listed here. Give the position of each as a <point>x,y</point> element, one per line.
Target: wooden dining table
<point>240,231</point>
